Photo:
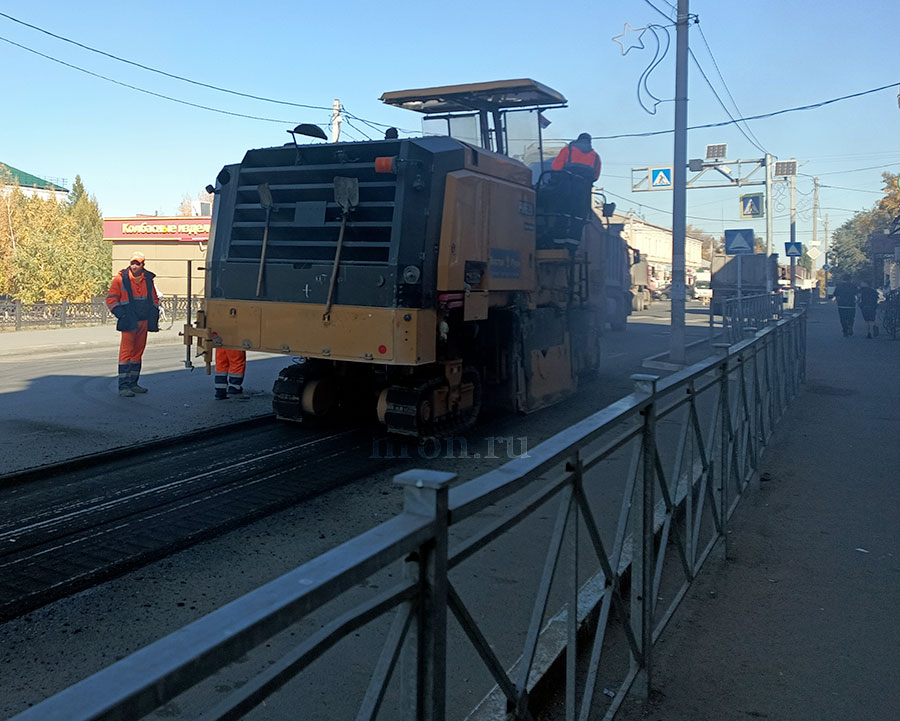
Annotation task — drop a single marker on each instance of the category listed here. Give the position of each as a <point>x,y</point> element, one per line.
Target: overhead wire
<point>724,107</point>
<point>173,76</point>
<point>758,143</point>
<point>760,116</point>
<point>143,90</point>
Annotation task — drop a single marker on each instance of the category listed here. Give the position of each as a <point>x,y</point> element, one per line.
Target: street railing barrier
<point>16,315</point>
<point>753,311</point>
<point>578,550</point>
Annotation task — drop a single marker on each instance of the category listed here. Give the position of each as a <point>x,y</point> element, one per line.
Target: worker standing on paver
<point>133,300</point>
<point>230,367</point>
<point>580,158</point>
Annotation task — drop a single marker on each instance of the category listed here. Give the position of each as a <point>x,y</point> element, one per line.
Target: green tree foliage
<point>850,242</point>
<point>50,251</point>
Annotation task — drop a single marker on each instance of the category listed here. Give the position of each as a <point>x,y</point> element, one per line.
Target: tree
<point>50,251</point>
<point>710,245</point>
<point>849,251</point>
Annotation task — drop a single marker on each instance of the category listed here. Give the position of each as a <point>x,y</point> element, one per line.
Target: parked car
<point>703,291</point>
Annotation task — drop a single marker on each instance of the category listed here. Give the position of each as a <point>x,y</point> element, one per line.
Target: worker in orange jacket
<point>132,298</point>
<point>230,367</point>
<point>579,158</point>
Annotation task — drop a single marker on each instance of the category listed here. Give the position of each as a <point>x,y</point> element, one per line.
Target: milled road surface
<point>55,646</point>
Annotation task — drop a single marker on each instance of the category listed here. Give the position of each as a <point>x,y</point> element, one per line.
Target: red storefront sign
<point>172,228</point>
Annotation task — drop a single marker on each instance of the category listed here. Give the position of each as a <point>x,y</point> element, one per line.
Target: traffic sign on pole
<point>793,249</point>
<point>739,242</point>
<point>661,178</point>
<point>752,205</point>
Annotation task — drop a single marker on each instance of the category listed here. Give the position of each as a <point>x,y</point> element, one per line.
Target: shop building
<point>169,243</point>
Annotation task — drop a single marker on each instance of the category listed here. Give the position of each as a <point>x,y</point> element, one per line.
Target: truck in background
<point>754,277</point>
<point>702,286</point>
<point>641,285</point>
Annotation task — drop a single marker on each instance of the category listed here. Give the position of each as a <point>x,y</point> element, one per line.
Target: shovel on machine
<point>346,195</point>
<point>266,202</point>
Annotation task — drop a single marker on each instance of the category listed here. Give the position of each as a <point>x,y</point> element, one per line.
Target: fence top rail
<point>479,493</point>
<point>141,682</point>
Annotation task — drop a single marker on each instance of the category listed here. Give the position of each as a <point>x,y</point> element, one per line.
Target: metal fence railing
<point>579,549</point>
<point>15,315</point>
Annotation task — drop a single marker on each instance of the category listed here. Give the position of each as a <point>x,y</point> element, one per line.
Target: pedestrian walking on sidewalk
<point>230,367</point>
<point>845,294</point>
<point>133,300</point>
<point>868,304</point>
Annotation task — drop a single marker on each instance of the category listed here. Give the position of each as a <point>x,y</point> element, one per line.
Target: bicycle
<point>890,318</point>
<point>165,321</point>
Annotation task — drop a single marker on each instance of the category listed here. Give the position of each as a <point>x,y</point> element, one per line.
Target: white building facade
<point>655,245</point>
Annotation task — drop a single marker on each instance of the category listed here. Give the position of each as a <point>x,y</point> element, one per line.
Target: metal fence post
<point>642,556</point>
<point>426,493</point>
<point>721,350</point>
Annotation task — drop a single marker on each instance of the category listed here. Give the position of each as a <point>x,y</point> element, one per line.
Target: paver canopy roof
<point>493,95</point>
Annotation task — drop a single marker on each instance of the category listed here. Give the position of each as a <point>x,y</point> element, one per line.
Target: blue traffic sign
<point>661,178</point>
<point>739,242</point>
<point>752,205</point>
<point>793,249</point>
<point>826,267</point>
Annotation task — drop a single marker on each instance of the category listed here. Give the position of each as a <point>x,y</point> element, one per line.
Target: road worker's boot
<point>125,381</point>
<point>221,381</point>
<point>235,385</point>
<point>133,377</point>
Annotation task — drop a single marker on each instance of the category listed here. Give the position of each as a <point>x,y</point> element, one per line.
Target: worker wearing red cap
<point>132,298</point>
<point>580,158</point>
<point>230,367</point>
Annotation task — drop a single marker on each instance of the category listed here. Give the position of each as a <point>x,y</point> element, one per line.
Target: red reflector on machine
<point>382,349</point>
<point>386,164</point>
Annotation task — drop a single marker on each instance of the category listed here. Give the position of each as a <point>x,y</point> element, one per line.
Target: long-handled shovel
<point>265,200</point>
<point>346,195</point>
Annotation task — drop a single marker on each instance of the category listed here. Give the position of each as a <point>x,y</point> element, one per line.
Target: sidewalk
<point>801,622</point>
<point>59,399</point>
<point>56,340</point>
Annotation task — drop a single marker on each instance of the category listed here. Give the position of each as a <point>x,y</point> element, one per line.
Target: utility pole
<point>336,121</point>
<point>826,255</point>
<point>770,281</point>
<point>679,188</point>
<point>793,229</point>
<point>816,218</point>
<point>815,209</point>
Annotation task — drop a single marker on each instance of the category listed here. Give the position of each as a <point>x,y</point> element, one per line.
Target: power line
<point>173,76</point>
<point>722,78</point>
<point>155,70</point>
<point>856,190</point>
<point>727,111</point>
<point>811,106</point>
<point>142,90</point>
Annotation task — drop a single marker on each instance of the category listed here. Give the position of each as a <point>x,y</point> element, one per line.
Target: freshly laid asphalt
<point>801,621</point>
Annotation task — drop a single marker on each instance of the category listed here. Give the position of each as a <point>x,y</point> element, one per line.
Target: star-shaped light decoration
<point>631,38</point>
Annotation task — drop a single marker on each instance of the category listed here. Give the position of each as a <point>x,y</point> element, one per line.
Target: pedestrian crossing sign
<point>661,178</point>
<point>752,205</point>
<point>793,249</point>
<point>739,242</point>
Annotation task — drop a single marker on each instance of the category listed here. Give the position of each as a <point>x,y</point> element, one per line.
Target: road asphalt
<point>800,622</point>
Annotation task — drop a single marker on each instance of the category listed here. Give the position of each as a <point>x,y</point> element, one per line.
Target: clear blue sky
<point>141,154</point>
